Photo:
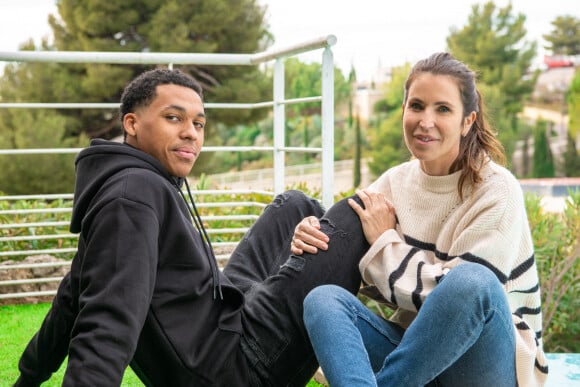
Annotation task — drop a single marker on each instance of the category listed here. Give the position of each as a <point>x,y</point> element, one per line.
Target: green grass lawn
<point>18,324</point>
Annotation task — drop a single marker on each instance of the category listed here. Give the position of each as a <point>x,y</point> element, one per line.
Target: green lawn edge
<point>19,323</point>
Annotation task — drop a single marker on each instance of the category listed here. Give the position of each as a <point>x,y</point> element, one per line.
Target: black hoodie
<point>143,282</point>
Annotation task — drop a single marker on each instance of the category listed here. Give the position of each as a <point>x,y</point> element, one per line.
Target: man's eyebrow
<point>182,109</point>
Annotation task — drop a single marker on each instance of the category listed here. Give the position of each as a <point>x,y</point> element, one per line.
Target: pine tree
<point>184,26</point>
<point>492,43</point>
<point>564,39</point>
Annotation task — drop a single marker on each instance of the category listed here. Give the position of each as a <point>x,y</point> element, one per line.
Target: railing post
<point>279,126</point>
<point>327,127</point>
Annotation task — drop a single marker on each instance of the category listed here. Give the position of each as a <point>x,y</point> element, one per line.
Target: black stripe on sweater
<point>397,274</point>
<point>419,244</point>
<point>542,368</point>
<point>468,257</point>
<point>522,326</point>
<point>522,268</point>
<point>533,289</point>
<point>415,296</point>
<point>525,310</point>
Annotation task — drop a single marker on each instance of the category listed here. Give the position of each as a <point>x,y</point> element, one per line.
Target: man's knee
<point>299,200</point>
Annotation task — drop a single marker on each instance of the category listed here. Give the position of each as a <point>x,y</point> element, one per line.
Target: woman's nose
<point>427,121</point>
<point>425,124</point>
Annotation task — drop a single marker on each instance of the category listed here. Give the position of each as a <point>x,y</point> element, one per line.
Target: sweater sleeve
<point>401,272</point>
<point>115,289</point>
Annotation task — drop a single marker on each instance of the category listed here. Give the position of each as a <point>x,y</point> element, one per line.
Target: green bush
<point>38,211</point>
<point>557,250</point>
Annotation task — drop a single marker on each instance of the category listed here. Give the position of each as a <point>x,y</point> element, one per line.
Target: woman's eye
<point>415,106</point>
<point>443,109</point>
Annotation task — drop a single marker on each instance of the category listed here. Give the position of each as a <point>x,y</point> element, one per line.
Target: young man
<point>144,287</point>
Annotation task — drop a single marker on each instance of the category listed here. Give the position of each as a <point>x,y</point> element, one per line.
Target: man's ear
<point>130,123</point>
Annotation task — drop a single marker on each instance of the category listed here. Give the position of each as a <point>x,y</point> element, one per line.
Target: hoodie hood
<point>104,159</point>
<point>101,160</point>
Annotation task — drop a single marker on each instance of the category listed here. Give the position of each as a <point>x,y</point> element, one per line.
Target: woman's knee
<point>324,299</point>
<point>472,279</point>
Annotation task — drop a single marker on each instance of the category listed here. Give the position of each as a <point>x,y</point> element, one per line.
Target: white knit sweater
<point>489,227</point>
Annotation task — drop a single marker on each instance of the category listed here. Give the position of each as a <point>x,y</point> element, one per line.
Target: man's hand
<point>308,238</point>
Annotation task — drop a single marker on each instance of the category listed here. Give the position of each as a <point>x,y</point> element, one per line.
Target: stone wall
<point>31,273</point>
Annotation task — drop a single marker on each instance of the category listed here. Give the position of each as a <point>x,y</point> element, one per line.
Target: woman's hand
<point>377,216</point>
<point>308,238</point>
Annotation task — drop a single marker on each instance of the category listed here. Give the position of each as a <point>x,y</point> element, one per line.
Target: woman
<point>451,250</point>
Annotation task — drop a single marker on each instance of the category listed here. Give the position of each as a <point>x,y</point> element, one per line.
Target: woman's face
<point>433,122</point>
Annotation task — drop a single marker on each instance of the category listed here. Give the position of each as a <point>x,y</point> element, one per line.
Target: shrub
<point>557,250</point>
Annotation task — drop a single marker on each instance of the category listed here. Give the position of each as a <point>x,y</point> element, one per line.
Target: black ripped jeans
<point>275,283</point>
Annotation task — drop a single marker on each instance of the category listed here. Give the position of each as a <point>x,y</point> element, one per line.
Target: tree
<point>543,160</point>
<point>571,158</point>
<point>357,154</point>
<point>202,26</point>
<point>387,144</point>
<point>571,155</point>
<point>564,39</point>
<point>492,44</point>
<point>208,26</point>
<point>31,173</point>
<point>386,138</point>
<point>573,101</point>
<point>305,80</point>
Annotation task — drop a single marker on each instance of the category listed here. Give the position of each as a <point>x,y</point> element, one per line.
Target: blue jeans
<point>462,336</point>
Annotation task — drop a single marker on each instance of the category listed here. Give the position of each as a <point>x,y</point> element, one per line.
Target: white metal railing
<point>4,214</point>
<point>278,104</point>
<point>279,148</point>
<point>222,248</point>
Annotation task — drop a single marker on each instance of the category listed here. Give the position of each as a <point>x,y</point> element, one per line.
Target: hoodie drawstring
<point>208,247</point>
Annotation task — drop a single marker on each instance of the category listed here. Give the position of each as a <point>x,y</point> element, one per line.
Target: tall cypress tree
<point>543,159</point>
<point>357,154</point>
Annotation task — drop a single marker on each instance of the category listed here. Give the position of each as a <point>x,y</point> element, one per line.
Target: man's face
<point>171,128</point>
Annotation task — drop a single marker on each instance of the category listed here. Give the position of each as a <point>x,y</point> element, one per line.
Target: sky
<point>370,33</point>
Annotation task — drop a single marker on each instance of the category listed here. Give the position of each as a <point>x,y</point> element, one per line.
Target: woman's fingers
<point>308,237</point>
<point>377,216</point>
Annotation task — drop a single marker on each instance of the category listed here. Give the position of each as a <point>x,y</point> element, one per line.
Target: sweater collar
<point>435,184</point>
